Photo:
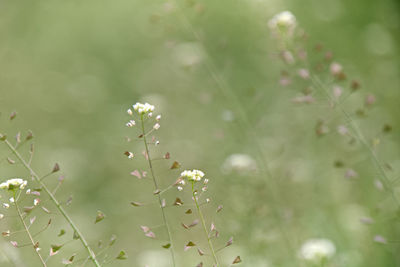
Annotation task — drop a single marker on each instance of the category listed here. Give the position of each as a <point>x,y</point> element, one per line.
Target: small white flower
<point>208,200</point>
<point>6,205</point>
<point>150,115</point>
<point>205,181</point>
<point>28,191</point>
<point>130,123</point>
<point>143,108</point>
<point>1,216</point>
<point>130,155</point>
<point>317,249</point>
<point>36,201</point>
<point>204,188</point>
<point>180,188</point>
<point>157,143</point>
<point>193,175</point>
<point>156,126</point>
<point>12,200</point>
<point>158,118</point>
<point>13,183</point>
<point>129,111</point>
<point>283,23</point>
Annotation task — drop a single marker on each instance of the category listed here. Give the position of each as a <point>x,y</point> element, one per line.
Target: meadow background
<point>71,69</point>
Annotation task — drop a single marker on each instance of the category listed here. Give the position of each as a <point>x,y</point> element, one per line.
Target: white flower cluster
<point>284,22</point>
<point>192,175</point>
<point>143,108</point>
<point>317,249</point>
<point>13,183</point>
<point>240,163</point>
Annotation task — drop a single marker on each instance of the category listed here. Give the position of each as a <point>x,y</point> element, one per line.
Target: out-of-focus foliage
<point>72,68</point>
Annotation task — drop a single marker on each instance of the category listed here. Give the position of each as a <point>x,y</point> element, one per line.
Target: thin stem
<point>34,245</point>
<point>203,222</point>
<point>383,176</point>
<point>171,249</point>
<point>57,204</point>
<point>246,128</point>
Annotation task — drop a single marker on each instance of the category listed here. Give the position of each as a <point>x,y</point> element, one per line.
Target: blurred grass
<point>72,68</point>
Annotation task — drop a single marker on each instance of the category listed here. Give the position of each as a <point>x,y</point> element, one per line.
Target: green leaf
<point>175,165</point>
<point>76,236</point>
<point>100,216</point>
<point>112,240</point>
<point>121,255</point>
<point>136,204</point>
<point>54,249</point>
<point>237,260</point>
<point>62,232</point>
<point>167,246</point>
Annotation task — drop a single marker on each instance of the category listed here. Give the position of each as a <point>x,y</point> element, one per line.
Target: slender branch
<point>34,245</point>
<point>247,129</point>
<point>171,249</point>
<point>203,222</point>
<point>57,204</point>
<point>383,176</point>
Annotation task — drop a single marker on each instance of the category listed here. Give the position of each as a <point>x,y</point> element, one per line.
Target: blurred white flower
<point>283,23</point>
<point>154,258</point>
<point>342,130</point>
<point>143,108</point>
<point>227,115</point>
<point>192,175</point>
<point>336,69</point>
<point>189,54</point>
<point>304,73</point>
<point>317,249</point>
<point>241,163</point>
<point>337,91</point>
<point>156,126</point>
<point>13,183</point>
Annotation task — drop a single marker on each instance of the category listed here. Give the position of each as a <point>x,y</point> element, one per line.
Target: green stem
<point>203,222</point>
<point>247,129</point>
<point>57,204</point>
<point>27,231</point>
<point>171,249</point>
<point>383,176</point>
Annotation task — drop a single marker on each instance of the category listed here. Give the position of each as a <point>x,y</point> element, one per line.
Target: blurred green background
<point>72,68</point>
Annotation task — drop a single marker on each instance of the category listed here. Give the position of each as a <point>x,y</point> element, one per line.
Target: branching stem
<point>203,222</point>
<point>171,249</point>
<point>34,245</point>
<point>57,204</point>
